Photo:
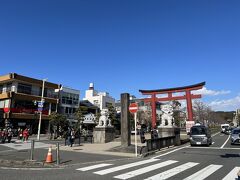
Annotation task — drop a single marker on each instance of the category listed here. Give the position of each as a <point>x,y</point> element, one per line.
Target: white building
<point>89,119</point>
<point>100,99</point>
<point>69,102</point>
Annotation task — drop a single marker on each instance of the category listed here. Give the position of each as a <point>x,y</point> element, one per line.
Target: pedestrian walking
<point>142,136</point>
<point>154,134</point>
<point>72,136</point>
<point>9,135</point>
<point>1,135</point>
<point>25,134</point>
<point>69,131</point>
<point>20,134</point>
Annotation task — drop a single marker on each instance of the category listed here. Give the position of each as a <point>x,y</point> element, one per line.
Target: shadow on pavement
<point>230,156</point>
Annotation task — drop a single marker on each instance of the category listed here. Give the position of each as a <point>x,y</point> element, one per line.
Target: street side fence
<point>158,144</point>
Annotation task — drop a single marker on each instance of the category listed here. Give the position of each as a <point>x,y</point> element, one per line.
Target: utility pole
<point>41,108</point>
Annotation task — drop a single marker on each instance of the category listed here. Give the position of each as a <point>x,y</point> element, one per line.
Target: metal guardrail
<point>81,139</point>
<point>158,143</point>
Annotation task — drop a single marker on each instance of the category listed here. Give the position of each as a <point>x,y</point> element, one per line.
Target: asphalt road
<point>220,160</point>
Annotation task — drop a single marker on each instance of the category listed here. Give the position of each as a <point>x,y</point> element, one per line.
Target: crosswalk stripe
<point>126,166</point>
<point>144,170</point>
<point>93,167</point>
<point>173,171</point>
<point>232,175</point>
<point>204,173</point>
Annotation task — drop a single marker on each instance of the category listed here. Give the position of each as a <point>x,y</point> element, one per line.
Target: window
<point>2,104</point>
<point>66,110</point>
<point>9,87</point>
<point>198,130</point>
<point>24,88</point>
<point>1,88</point>
<point>236,131</point>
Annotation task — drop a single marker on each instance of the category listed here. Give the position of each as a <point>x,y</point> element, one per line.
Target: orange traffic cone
<point>49,158</point>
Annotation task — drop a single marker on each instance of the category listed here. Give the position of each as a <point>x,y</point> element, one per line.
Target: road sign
<point>189,124</point>
<point>40,104</point>
<point>40,109</point>
<point>133,108</point>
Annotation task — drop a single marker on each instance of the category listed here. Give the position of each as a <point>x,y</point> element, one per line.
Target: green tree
<point>112,114</point>
<point>98,115</point>
<point>59,123</point>
<point>176,112</point>
<point>79,114</point>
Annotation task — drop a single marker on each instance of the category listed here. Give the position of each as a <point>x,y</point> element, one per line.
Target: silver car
<point>200,135</point>
<point>235,136</point>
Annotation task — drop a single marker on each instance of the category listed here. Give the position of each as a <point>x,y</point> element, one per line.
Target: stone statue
<point>103,120</point>
<point>167,115</point>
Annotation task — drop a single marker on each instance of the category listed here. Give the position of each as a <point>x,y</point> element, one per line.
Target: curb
<point>25,164</point>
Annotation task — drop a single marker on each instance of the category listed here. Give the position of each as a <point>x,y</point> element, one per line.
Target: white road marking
<point>144,170</point>
<point>173,171</point>
<point>204,173</point>
<point>93,167</point>
<point>218,148</point>
<point>232,175</point>
<point>225,142</point>
<point>26,145</point>
<point>215,134</point>
<point>171,151</point>
<point>126,166</point>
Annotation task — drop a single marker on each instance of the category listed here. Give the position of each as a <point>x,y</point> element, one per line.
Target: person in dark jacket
<point>69,138</point>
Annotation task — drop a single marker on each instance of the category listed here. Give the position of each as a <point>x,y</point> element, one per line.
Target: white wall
<point>102,98</point>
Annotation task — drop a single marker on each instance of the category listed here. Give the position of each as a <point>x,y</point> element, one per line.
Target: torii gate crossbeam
<point>188,96</point>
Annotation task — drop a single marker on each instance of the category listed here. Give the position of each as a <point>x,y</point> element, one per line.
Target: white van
<point>224,127</point>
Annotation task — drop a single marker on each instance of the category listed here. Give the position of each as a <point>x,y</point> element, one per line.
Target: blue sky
<point>126,45</point>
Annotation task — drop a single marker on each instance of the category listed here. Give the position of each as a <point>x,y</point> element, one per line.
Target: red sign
<point>133,108</point>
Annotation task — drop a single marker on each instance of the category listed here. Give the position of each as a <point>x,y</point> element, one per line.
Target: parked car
<point>235,136</point>
<point>200,135</point>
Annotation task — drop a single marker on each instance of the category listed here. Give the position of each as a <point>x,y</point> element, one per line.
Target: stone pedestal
<point>170,131</point>
<point>103,134</point>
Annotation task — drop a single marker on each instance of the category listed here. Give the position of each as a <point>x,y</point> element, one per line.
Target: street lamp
<point>41,108</point>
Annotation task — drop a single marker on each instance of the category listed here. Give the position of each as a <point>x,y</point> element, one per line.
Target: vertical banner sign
<point>133,108</point>
<point>189,124</point>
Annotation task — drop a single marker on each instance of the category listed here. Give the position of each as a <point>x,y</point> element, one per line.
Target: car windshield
<point>236,131</point>
<point>225,127</point>
<point>198,130</point>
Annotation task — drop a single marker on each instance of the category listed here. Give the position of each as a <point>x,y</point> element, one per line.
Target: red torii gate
<point>188,96</point>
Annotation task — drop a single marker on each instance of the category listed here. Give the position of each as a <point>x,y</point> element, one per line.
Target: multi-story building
<point>18,100</point>
<point>100,99</point>
<point>69,102</point>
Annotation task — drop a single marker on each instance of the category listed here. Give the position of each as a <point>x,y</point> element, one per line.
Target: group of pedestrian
<point>6,135</point>
<point>23,135</point>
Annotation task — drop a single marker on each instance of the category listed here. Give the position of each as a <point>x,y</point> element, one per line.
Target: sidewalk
<point>109,148</point>
<point>101,149</point>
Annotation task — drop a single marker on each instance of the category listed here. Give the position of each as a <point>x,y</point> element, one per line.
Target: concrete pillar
<point>50,109</point>
<point>125,121</point>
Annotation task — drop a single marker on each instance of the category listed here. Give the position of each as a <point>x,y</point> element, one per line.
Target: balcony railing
<point>35,93</point>
<point>24,110</point>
